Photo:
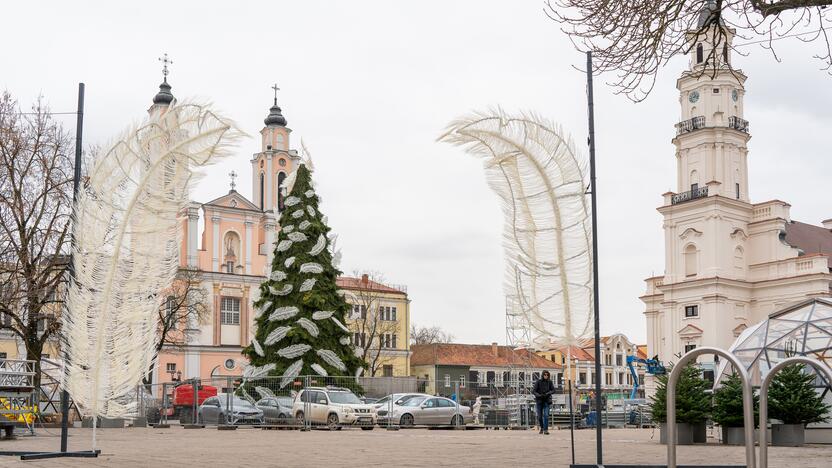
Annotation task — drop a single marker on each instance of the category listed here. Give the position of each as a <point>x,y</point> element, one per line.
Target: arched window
<point>725,52</point>
<point>700,53</point>
<point>691,260</point>
<point>280,178</point>
<point>262,187</point>
<point>694,180</point>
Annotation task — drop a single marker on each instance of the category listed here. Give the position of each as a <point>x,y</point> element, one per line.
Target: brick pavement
<point>147,447</point>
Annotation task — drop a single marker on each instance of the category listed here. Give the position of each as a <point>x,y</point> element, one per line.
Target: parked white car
<point>334,407</point>
<point>427,411</point>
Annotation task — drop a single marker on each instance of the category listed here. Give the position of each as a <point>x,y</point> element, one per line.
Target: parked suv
<point>334,407</point>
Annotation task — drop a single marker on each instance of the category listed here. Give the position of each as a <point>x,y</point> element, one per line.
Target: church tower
<point>274,162</point>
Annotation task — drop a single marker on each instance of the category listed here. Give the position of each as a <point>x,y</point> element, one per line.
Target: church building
<point>231,257</point>
<point>729,261</point>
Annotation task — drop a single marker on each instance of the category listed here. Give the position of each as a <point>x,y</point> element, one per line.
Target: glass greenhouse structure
<point>802,329</point>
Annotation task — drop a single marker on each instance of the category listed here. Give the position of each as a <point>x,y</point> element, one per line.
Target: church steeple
<point>275,117</point>
<point>164,97</point>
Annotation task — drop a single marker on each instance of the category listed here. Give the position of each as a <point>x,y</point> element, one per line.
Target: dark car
<point>277,410</point>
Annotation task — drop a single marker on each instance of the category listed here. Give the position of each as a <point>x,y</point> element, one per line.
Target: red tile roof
<point>455,354</point>
<point>810,239</point>
<point>577,353</point>
<point>348,282</point>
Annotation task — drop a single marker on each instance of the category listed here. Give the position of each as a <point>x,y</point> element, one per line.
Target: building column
<point>215,254</point>
<point>244,308</point>
<point>269,226</point>
<point>217,323</point>
<point>193,217</point>
<point>269,184</point>
<point>249,226</point>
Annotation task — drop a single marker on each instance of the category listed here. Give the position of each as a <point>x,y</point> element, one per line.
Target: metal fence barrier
<point>336,402</point>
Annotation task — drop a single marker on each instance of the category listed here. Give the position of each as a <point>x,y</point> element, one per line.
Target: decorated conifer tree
<point>300,314</point>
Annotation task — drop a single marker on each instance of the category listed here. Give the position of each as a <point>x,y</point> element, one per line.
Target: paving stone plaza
<point>148,447</point>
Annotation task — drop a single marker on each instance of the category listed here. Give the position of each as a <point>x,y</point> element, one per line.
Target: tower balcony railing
<point>699,192</point>
<point>738,124</point>
<point>690,125</point>
<point>686,126</point>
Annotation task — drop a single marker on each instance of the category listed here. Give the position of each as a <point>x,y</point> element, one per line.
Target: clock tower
<point>729,263</point>
<point>711,135</point>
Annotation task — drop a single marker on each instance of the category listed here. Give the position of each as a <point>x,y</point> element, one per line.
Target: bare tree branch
<point>633,39</point>
<point>429,335</point>
<point>35,197</point>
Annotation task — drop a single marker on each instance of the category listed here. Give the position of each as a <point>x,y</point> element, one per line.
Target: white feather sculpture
<point>539,176</point>
<point>126,251</point>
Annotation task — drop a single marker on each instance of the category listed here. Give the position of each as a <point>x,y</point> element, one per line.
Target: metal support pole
<point>195,416</point>
<point>747,402</point>
<point>820,368</point>
<point>76,182</point>
<point>599,446</point>
<point>571,423</point>
<point>306,406</point>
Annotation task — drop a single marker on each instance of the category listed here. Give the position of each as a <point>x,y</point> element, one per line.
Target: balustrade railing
<point>690,125</point>
<point>738,124</point>
<point>700,192</point>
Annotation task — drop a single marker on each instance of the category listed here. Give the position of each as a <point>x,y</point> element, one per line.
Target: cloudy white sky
<point>369,85</point>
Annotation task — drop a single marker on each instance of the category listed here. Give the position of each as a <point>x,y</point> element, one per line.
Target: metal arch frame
<point>747,402</point>
<point>818,365</point>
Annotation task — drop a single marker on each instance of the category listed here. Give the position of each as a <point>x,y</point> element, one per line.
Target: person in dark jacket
<point>543,391</point>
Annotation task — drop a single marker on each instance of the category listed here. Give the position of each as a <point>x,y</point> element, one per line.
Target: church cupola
<point>275,117</point>
<point>164,97</point>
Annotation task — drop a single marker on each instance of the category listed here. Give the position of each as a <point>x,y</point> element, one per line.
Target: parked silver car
<point>277,410</point>
<point>214,410</point>
<point>428,411</point>
<point>397,398</point>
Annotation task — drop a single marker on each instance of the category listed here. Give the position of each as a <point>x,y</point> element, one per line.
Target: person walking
<point>543,391</point>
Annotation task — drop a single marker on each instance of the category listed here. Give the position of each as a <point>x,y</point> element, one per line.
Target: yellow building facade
<point>380,324</point>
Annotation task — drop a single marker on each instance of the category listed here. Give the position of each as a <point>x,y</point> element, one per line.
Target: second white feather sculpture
<point>126,222</point>
<point>547,239</point>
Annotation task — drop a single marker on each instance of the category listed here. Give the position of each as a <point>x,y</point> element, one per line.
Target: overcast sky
<point>369,85</point>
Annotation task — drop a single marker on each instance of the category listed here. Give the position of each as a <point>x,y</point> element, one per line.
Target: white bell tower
<point>711,136</point>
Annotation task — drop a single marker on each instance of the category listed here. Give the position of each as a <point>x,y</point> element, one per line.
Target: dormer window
<point>700,53</point>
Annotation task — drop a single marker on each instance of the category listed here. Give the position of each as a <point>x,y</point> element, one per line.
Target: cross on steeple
<point>165,60</point>
<point>233,175</point>
<point>276,89</point>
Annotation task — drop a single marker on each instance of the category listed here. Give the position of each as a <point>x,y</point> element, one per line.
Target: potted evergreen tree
<point>794,402</point>
<point>692,406</point>
<point>728,410</point>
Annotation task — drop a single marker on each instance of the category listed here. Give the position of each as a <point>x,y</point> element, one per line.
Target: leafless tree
<point>429,335</point>
<point>372,326</point>
<point>36,161</point>
<point>632,39</point>
<point>184,305</point>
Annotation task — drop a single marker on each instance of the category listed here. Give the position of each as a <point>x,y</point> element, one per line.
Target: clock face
<point>694,96</point>
<point>734,95</point>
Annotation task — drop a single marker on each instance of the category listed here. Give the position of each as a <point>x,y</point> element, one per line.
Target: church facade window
<point>700,53</point>
<point>262,190</point>
<point>230,311</point>
<point>280,178</point>
<point>691,260</point>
